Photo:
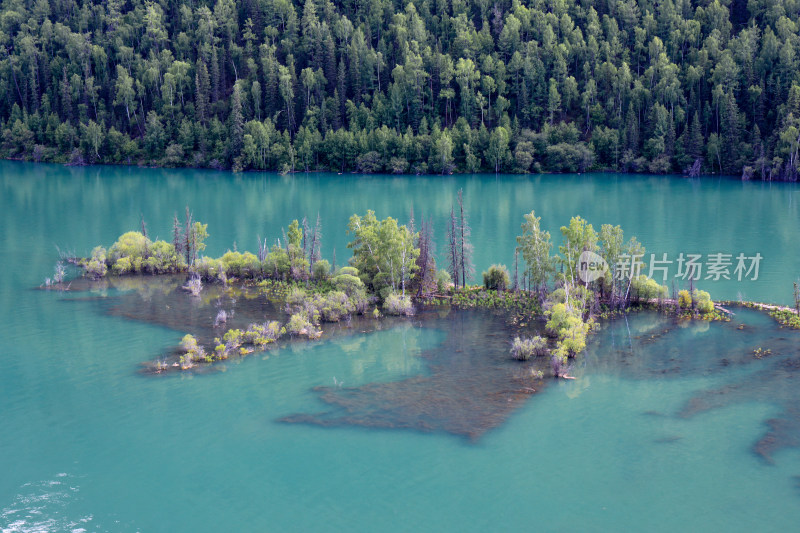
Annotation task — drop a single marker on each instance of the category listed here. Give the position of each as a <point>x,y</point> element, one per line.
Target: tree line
<point>421,86</point>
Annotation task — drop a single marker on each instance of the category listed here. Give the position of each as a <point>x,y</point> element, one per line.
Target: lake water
<point>668,426</point>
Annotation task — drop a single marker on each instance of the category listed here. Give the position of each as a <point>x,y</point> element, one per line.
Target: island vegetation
<point>392,271</point>
<point>416,86</point>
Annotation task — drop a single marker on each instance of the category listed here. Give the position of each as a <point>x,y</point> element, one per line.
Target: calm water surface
<point>667,426</point>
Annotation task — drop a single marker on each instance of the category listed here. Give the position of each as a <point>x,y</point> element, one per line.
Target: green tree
<point>534,245</point>
<point>383,252</point>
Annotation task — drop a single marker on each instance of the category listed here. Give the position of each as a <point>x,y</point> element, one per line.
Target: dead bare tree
<point>316,239</point>
<point>187,237</point>
<point>465,248</point>
<point>453,253</point>
<point>306,240</point>
<point>177,236</point>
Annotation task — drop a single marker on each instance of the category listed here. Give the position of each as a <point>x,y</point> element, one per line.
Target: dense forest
<point>405,86</point>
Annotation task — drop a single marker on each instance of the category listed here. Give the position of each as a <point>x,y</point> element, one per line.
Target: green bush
<point>209,268</point>
<point>443,281</point>
<point>568,326</point>
<point>240,265</point>
<point>684,299</point>
<point>259,335</point>
<point>162,258</point>
<point>299,325</point>
<point>321,270</point>
<point>648,288</point>
<point>132,245</point>
<point>702,301</point>
<point>96,267</point>
<point>334,306</point>
<point>193,352</point>
<point>496,278</point>
<point>348,283</point>
<point>277,263</point>
<point>395,304</point>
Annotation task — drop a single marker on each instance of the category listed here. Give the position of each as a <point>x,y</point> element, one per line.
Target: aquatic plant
<point>496,278</point>
<point>221,318</point>
<point>559,362</point>
<point>525,348</point>
<point>193,285</point>
<point>59,273</point>
<point>786,317</point>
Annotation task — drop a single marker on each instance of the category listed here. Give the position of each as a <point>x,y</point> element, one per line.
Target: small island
<point>393,271</point>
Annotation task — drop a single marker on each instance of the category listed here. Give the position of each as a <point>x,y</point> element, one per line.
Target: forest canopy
<point>416,86</point>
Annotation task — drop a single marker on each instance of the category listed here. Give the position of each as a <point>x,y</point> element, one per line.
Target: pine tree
<point>694,141</point>
<point>201,85</point>
<point>236,123</point>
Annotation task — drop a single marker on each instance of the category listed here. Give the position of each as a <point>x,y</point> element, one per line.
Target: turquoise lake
<point>667,426</point>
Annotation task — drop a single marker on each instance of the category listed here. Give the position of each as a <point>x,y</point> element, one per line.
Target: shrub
<point>299,325</point>
<point>443,280</point>
<point>240,265</point>
<point>162,258</point>
<point>209,268</point>
<point>259,335</point>
<point>524,349</point>
<point>684,299</point>
<point>277,263</point>
<point>349,283</point>
<point>702,301</point>
<point>398,165</point>
<point>350,271</point>
<point>321,270</point>
<point>496,278</point>
<point>96,267</point>
<point>333,306</point>
<point>648,288</point>
<point>396,304</point>
<point>132,245</point>
<point>297,301</point>
<point>193,352</point>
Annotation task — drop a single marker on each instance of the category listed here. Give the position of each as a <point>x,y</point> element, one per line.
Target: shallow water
<point>667,426</point>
